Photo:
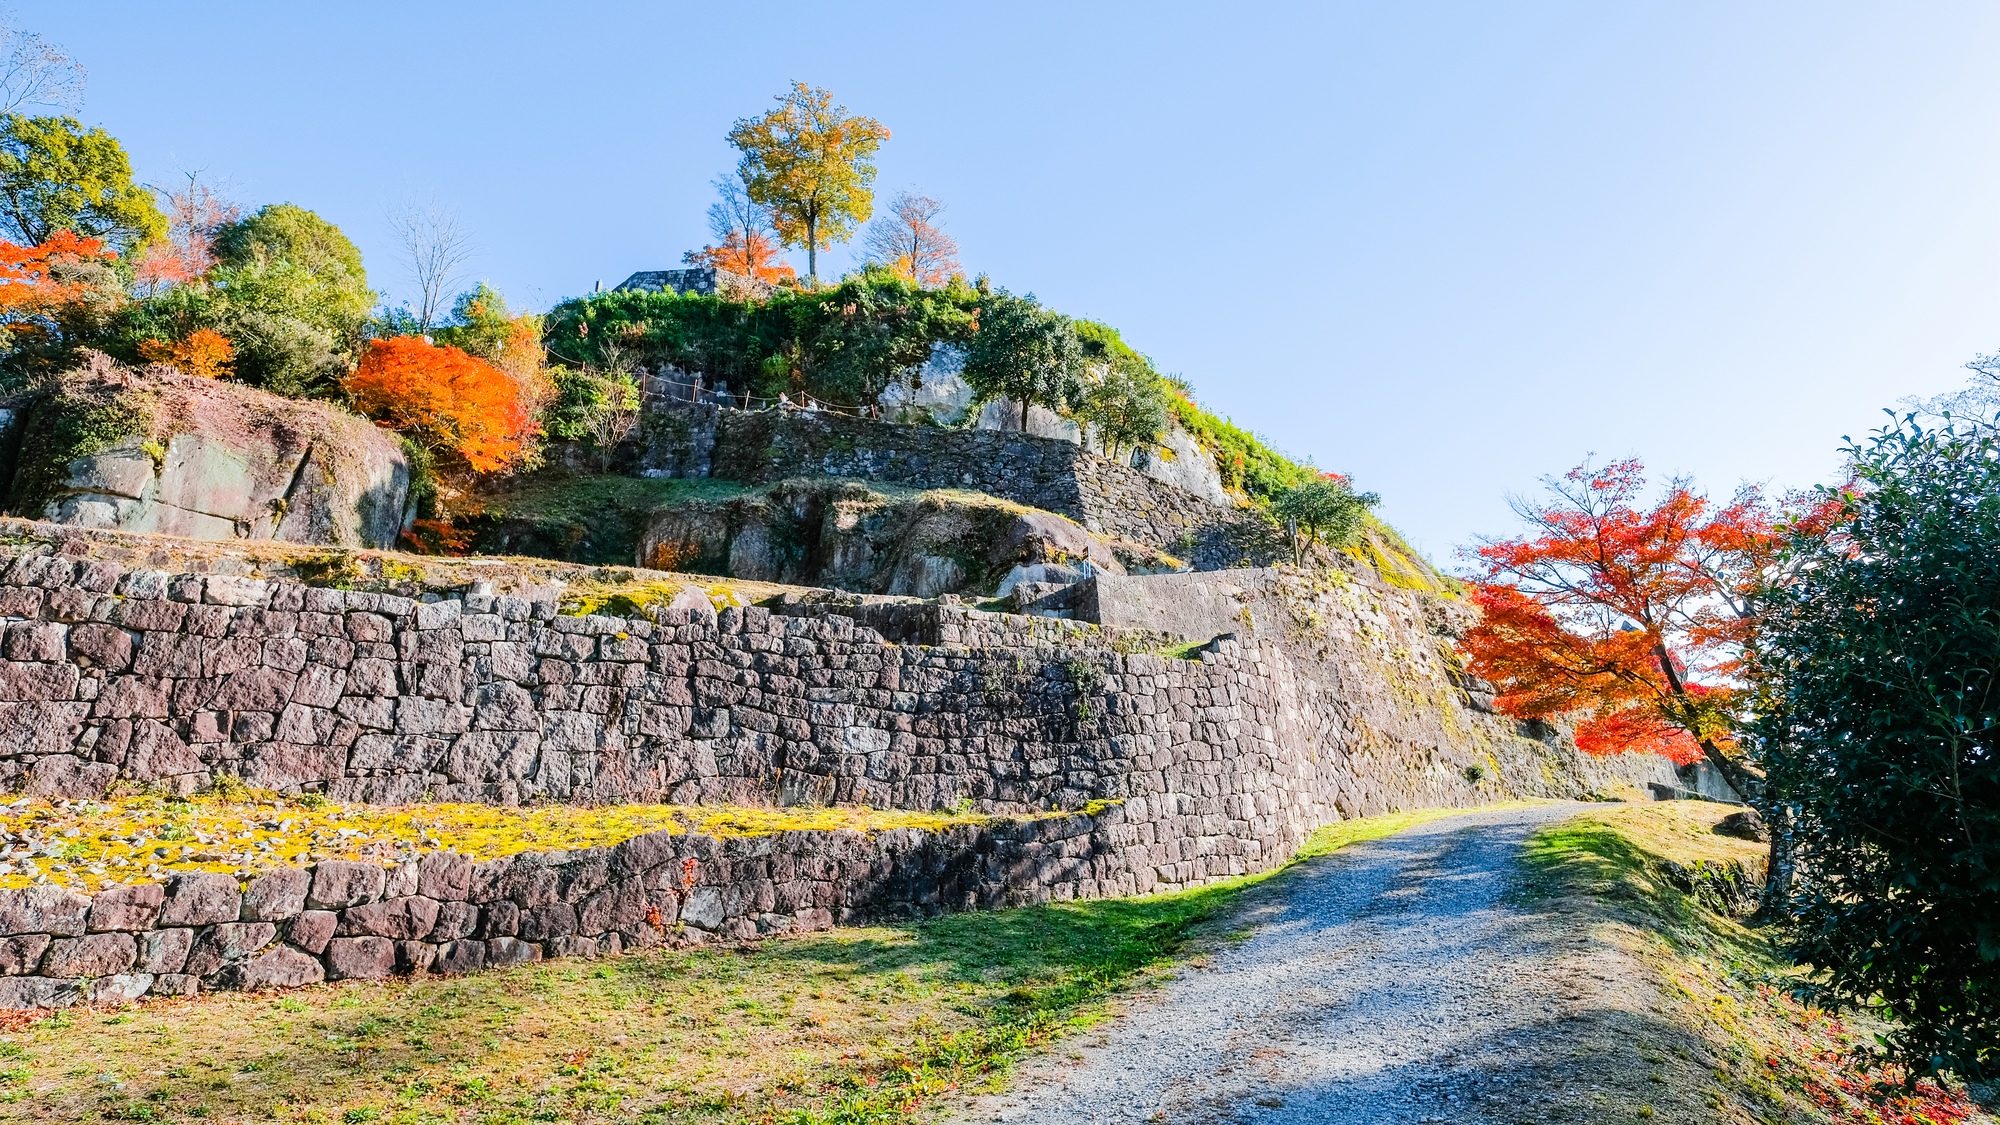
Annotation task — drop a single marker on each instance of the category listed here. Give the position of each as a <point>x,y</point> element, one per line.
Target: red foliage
<point>1634,616</point>
<point>443,399</point>
<point>757,257</point>
<point>27,289</point>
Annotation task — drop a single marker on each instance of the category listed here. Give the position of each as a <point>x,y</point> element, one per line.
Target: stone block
<point>540,923</point>
<point>38,992</point>
<point>414,958</point>
<point>276,895</point>
<point>280,967</point>
<point>22,953</point>
<point>460,957</point>
<point>455,920</point>
<point>226,944</point>
<point>511,951</point>
<point>104,646</point>
<point>133,907</point>
<point>311,930</point>
<point>176,984</point>
<point>63,776</point>
<point>404,919</point>
<point>36,640</point>
<point>199,898</point>
<point>342,883</point>
<point>235,590</point>
<point>94,956</point>
<point>360,958</point>
<point>164,951</point>
<point>43,910</point>
<point>444,875</point>
<point>121,988</point>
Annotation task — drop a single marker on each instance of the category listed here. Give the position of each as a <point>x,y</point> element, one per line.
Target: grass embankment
<point>86,845</point>
<point>1725,988</point>
<point>878,1024</point>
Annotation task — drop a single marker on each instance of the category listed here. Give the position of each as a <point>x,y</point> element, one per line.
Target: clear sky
<point>1447,248</point>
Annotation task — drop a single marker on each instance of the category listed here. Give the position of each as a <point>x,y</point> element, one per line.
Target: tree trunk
<point>1024,414</point>
<point>812,249</point>
<point>1783,864</point>
<point>1740,778</point>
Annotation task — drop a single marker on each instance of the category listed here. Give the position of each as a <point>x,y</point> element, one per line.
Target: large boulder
<point>154,450</point>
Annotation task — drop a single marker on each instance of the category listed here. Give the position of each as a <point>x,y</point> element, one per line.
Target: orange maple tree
<point>1634,617</point>
<point>204,352</point>
<point>751,255</point>
<point>28,290</point>
<point>445,400</point>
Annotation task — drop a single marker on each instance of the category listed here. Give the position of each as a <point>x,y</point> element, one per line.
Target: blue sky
<point>1447,248</point>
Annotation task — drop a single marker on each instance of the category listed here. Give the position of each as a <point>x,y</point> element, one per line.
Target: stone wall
<point>445,913</point>
<point>1106,497</point>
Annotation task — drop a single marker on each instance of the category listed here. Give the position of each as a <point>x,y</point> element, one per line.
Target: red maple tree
<point>1634,617</point>
<point>749,255</point>
<point>445,400</point>
<point>28,288</point>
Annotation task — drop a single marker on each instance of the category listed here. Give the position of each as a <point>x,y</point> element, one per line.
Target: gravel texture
<point>1390,982</point>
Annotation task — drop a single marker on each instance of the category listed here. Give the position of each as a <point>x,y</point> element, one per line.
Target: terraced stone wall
<point>1060,476</point>
<point>446,913</point>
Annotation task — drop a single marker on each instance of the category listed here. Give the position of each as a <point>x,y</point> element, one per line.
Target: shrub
<point>444,400</point>
<point>1882,665</point>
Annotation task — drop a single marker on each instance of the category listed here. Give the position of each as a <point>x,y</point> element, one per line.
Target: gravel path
<point>1386,983</point>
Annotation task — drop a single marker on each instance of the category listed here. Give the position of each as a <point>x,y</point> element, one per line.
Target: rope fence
<point>802,401</point>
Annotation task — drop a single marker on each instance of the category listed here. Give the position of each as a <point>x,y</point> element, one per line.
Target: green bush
<point>1882,666</point>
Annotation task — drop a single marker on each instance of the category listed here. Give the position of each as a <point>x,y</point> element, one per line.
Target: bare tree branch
<point>907,241</point>
<point>435,244</point>
<point>36,72</point>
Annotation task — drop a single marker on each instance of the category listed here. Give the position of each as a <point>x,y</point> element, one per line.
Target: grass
<point>858,1025</point>
<point>1725,986</point>
<point>145,838</point>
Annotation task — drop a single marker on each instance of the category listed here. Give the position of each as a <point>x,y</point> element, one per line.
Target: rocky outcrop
<point>845,535</point>
<point>157,451</point>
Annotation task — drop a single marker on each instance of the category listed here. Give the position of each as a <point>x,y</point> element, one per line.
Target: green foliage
<point>1245,464</point>
<point>843,345</point>
<point>54,175</point>
<point>289,293</point>
<point>1881,661</point>
<point>1126,404</point>
<point>1327,509</point>
<point>1025,352</point>
<point>480,323</point>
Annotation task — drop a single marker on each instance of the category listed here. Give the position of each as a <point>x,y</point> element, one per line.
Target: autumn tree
<point>908,240</point>
<point>452,404</point>
<point>482,325</point>
<point>55,175</point>
<point>1025,352</point>
<point>1632,617</point>
<point>812,163</point>
<point>34,284</point>
<point>196,212</point>
<point>203,352</point>
<point>746,242</point>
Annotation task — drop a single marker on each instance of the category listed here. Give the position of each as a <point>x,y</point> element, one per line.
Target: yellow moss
<point>121,841</point>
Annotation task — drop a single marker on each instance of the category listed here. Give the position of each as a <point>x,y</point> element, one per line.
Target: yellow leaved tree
<point>812,164</point>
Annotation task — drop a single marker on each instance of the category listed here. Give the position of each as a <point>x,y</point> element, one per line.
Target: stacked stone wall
<point>1059,476</point>
<point>1343,702</point>
<point>448,913</point>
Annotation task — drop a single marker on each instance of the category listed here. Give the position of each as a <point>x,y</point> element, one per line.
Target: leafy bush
<point>1244,462</point>
<point>1327,509</point>
<point>1882,660</point>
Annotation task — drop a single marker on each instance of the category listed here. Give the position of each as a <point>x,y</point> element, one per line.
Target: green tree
<point>1025,352</point>
<point>1879,661</point>
<point>55,175</point>
<point>291,294</point>
<point>1327,509</point>
<point>1126,409</point>
<point>812,164</point>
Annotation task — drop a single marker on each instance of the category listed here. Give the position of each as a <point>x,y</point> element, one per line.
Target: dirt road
<point>1390,982</point>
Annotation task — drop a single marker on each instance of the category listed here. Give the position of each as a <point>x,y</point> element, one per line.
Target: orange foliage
<point>443,399</point>
<point>671,556</point>
<point>204,352</point>
<point>26,287</point>
<point>756,257</point>
<point>1634,616</point>
<point>437,537</point>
